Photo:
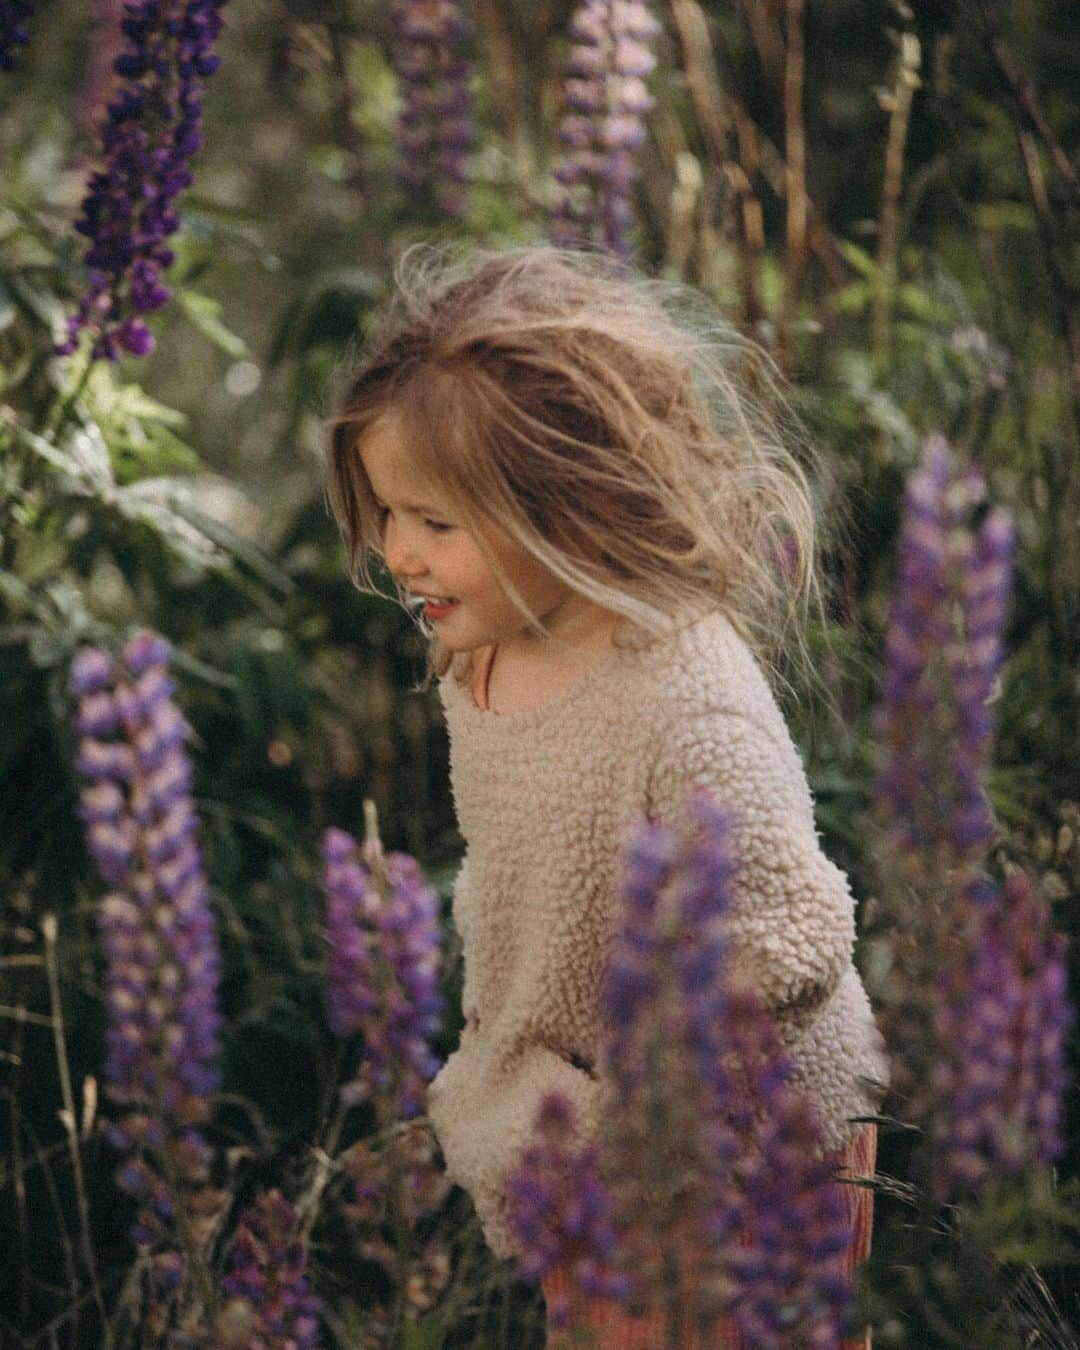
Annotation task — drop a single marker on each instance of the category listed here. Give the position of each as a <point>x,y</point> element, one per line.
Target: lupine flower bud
<point>15,16</point>
<point>156,925</point>
<point>382,926</point>
<point>151,131</point>
<point>267,1275</point>
<point>435,128</point>
<point>1002,1024</point>
<point>605,98</point>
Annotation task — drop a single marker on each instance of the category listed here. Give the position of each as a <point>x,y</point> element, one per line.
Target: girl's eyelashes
<point>437,526</point>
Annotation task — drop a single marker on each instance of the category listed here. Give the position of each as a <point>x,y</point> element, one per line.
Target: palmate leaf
<point>82,467</point>
<point>77,463</point>
<point>259,561</point>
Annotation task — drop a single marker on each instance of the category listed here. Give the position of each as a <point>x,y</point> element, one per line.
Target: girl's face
<point>431,554</point>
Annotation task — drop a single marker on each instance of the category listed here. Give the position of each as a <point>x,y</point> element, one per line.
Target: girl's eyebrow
<point>407,506</point>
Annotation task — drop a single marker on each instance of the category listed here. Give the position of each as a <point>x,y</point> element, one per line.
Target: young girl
<point>607,539</point>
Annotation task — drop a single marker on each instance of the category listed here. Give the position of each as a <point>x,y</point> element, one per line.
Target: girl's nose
<point>401,557</point>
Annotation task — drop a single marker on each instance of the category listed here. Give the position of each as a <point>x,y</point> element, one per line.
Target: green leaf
<point>260,562</point>
<point>426,1335</point>
<point>916,301</point>
<point>863,262</point>
<point>156,502</point>
<point>157,452</point>
<point>1004,215</point>
<point>205,313</point>
<point>333,312</point>
<point>117,402</point>
<point>17,593</point>
<point>8,311</point>
<point>853,298</point>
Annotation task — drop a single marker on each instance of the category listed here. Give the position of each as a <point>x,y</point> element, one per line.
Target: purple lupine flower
<point>934,720</point>
<point>942,658</point>
<point>382,925</point>
<point>157,928</point>
<point>690,1059</point>
<point>605,98</point>
<point>1002,1025</point>
<point>15,16</point>
<point>764,1173</point>
<point>435,129</point>
<point>975,663</point>
<point>267,1274</point>
<point>793,1275</point>
<point>561,1210</point>
<point>152,130</point>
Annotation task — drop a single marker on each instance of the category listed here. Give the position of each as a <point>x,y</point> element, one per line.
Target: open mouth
<point>435,601</point>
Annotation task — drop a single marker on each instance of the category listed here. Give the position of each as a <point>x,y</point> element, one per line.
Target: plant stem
<point>68,1117</point>
<point>909,58</point>
<point>62,409</point>
<point>795,152</point>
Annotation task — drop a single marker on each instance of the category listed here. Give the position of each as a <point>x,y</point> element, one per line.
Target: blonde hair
<point>596,418</point>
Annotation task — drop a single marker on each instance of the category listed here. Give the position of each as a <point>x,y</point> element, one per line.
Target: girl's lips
<point>433,611</point>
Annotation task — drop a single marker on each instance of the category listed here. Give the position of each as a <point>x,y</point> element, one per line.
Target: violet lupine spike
<point>15,16</point>
<point>383,972</point>
<point>435,129</point>
<point>605,99</point>
<point>1002,1025</point>
<point>762,1134</point>
<point>703,1064</point>
<point>148,137</point>
<point>934,721</point>
<point>793,1276</point>
<point>267,1273</point>
<point>157,929</point>
<point>561,1211</point>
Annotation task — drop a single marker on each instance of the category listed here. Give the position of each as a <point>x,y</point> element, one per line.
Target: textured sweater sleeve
<point>792,917</point>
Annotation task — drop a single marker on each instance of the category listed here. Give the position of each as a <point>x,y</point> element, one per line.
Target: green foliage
<point>184,493</point>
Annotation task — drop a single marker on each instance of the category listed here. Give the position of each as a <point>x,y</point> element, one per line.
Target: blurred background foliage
<point>933,287</point>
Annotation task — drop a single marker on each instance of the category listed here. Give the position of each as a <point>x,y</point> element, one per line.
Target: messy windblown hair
<point>611,425</point>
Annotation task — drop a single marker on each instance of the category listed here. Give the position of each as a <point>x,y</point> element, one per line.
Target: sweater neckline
<point>550,708</point>
<point>615,660</point>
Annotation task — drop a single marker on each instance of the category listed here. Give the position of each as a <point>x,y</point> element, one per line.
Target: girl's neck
<point>578,629</point>
<point>519,678</point>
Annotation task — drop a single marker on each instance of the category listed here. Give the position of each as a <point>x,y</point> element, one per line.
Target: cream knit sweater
<point>545,799</point>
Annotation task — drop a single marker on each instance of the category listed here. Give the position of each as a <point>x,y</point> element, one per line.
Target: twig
<point>61,1229</point>
<point>765,31</point>
<point>795,149</point>
<point>897,102</point>
<point>21,1014</point>
<point>326,1164</point>
<point>68,1116</point>
<point>758,154</point>
<point>18,1177</point>
<point>717,132</point>
<point>505,84</point>
<point>1064,299</point>
<point>1027,101</point>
